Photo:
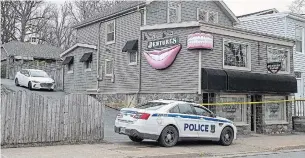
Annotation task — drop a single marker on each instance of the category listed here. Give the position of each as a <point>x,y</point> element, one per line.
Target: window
<point>236,55</point>
<point>213,17</point>
<point>88,64</point>
<point>234,112</point>
<point>201,111</point>
<point>202,15</point>
<point>174,12</point>
<point>174,110</point>
<point>132,58</point>
<point>70,67</point>
<point>299,36</point>
<point>186,109</point>
<point>281,56</point>
<point>108,67</point>
<point>110,32</point>
<point>275,112</point>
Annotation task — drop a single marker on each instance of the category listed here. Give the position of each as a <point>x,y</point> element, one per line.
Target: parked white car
<point>169,121</point>
<point>34,79</point>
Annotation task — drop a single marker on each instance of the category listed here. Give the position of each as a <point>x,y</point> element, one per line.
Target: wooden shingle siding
<point>157,12</point>
<point>80,80</point>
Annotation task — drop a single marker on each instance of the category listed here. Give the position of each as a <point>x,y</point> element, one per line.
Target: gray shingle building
<point>186,50</point>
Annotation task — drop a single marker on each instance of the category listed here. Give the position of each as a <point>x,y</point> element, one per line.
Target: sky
<point>240,7</point>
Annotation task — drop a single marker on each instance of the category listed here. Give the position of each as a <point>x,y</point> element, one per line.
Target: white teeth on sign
<point>159,57</point>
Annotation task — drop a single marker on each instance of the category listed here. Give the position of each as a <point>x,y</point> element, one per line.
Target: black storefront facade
<point>272,117</point>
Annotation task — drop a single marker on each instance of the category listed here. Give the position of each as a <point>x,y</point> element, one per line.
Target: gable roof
<point>42,51</point>
<point>259,13</point>
<point>77,45</point>
<point>128,6</point>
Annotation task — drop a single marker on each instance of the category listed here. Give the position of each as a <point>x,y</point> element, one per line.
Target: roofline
<point>233,16</point>
<point>280,14</point>
<point>110,16</point>
<point>258,13</point>
<point>77,45</point>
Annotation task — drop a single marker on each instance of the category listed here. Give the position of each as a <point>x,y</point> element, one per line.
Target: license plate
<point>122,130</point>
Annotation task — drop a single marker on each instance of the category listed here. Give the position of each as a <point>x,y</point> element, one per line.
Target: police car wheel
<point>135,139</point>
<point>226,137</point>
<point>169,136</point>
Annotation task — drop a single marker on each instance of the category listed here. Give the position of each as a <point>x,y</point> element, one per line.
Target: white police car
<point>169,121</point>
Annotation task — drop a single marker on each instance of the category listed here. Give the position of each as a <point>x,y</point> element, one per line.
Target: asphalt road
<point>11,85</point>
<point>294,154</point>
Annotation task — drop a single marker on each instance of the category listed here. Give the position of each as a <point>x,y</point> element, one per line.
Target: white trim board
<point>245,35</point>
<point>78,45</point>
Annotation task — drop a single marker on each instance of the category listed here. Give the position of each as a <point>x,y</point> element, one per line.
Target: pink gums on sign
<point>200,41</point>
<point>161,59</point>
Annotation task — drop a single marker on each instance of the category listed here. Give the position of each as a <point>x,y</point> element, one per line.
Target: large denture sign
<point>161,59</point>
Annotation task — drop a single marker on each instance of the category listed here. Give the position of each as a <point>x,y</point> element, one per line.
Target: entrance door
<point>300,89</point>
<point>254,119</point>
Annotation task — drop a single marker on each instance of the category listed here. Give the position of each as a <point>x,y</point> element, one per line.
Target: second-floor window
<point>174,12</point>
<point>236,55</point>
<point>133,58</point>
<point>110,32</point>
<point>207,16</point>
<point>213,17</point>
<point>108,67</point>
<point>279,55</point>
<point>299,36</point>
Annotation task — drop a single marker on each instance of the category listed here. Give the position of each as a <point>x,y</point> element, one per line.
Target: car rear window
<point>151,105</point>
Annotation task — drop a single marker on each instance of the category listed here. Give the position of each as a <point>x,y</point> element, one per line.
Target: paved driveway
<point>11,85</point>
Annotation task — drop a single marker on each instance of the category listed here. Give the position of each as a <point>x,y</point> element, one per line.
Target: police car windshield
<point>151,105</point>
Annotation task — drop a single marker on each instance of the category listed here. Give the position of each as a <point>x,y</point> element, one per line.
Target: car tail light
<point>142,116</point>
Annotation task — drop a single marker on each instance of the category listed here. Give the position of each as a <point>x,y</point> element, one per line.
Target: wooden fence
<point>29,118</point>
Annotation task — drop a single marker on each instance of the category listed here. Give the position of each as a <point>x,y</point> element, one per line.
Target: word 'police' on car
<point>169,121</point>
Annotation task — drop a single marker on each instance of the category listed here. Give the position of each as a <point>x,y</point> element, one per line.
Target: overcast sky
<point>240,7</point>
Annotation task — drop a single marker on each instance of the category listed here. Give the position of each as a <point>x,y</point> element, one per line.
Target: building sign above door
<point>162,43</point>
<point>200,41</point>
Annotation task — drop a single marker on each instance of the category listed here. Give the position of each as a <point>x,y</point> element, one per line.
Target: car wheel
<point>30,86</point>
<point>227,136</point>
<point>17,82</point>
<point>135,139</point>
<point>169,136</point>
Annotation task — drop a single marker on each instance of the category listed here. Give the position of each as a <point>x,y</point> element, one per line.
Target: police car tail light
<point>142,116</point>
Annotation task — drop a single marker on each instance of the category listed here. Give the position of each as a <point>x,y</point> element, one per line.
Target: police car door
<point>186,120</point>
<point>207,126</point>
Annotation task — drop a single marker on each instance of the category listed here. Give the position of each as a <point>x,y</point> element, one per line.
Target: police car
<point>169,121</point>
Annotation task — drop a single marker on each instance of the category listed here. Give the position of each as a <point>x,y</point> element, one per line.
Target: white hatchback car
<point>169,121</point>
<point>34,79</point>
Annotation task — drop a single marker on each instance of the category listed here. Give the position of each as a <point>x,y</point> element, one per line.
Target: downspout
<point>98,77</point>
<point>199,72</point>
<point>140,55</point>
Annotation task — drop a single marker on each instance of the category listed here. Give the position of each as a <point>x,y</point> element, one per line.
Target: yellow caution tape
<point>247,103</point>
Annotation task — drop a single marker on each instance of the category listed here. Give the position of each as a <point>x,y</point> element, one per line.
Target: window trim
<point>283,121</point>
<point>248,68</point>
<point>178,10</point>
<point>72,68</point>
<point>288,57</point>
<point>244,110</point>
<point>215,20</point>
<point>109,75</point>
<point>303,39</point>
<point>114,32</point>
<point>90,66</point>
<point>298,78</point>
<point>198,11</point>
<point>133,63</point>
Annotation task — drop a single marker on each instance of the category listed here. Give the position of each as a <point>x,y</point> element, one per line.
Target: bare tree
<point>8,21</point>
<point>29,17</point>
<point>297,6</point>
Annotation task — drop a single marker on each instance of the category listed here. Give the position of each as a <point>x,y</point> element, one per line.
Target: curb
<point>256,153</point>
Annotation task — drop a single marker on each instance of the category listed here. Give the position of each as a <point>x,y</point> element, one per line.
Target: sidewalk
<point>147,149</point>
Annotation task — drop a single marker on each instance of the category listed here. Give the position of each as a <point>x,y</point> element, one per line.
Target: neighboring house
<point>282,24</point>
<point>140,51</point>
<point>16,55</point>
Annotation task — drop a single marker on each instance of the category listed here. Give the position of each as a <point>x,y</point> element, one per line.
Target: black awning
<point>86,57</point>
<point>255,82</point>
<point>68,60</point>
<point>213,79</point>
<point>130,46</point>
<point>239,81</point>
